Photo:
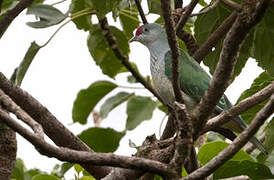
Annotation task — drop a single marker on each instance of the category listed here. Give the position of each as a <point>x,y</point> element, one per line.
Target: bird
<point>193,79</point>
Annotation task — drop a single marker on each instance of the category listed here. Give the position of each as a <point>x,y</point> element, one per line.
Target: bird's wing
<point>193,79</point>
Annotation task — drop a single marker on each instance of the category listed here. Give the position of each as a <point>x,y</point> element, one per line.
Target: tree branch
<point>124,59</point>
<point>9,105</point>
<point>12,14</point>
<point>183,141</point>
<point>141,12</point>
<point>84,157</point>
<point>186,14</point>
<point>237,178</point>
<point>241,107</point>
<point>251,147</point>
<point>233,4</point>
<point>212,40</point>
<point>173,44</point>
<point>236,145</point>
<point>248,18</point>
<point>178,4</point>
<point>55,130</point>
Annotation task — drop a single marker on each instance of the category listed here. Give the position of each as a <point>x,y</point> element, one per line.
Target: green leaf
<point>24,65</point>
<point>45,177</point>
<point>113,102</point>
<point>87,178</point>
<point>259,83</point>
<point>88,98</point>
<point>64,168</point>
<point>18,170</point>
<point>206,24</point>
<point>103,7</point>
<point>103,54</point>
<point>83,22</point>
<point>236,168</point>
<point>131,79</point>
<point>154,6</point>
<point>48,16</point>
<point>269,136</point>
<point>129,21</point>
<point>78,168</point>
<point>263,42</point>
<point>28,175</point>
<point>212,149</point>
<point>139,108</point>
<point>101,139</point>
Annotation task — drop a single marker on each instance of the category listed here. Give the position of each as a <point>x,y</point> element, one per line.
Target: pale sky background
<point>65,66</point>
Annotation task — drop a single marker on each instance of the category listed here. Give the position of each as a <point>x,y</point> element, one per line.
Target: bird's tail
<point>259,145</point>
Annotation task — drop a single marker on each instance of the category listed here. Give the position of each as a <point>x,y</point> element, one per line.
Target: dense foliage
<point>258,45</point>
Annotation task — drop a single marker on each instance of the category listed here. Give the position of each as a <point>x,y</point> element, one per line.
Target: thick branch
<point>232,4</point>
<point>12,14</point>
<point>124,59</point>
<point>55,130</point>
<point>230,52</point>
<point>84,157</point>
<point>242,106</point>
<point>173,44</point>
<point>141,12</point>
<point>183,141</point>
<point>236,145</point>
<point>9,105</point>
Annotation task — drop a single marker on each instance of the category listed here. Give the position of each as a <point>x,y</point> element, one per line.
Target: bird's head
<point>148,33</point>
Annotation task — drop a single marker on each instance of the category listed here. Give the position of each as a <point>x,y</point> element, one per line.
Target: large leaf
<point>24,65</point>
<point>236,168</point>
<point>83,22</point>
<point>88,98</point>
<point>259,83</point>
<point>101,139</point>
<point>269,136</point>
<point>129,21</point>
<point>103,54</point>
<point>206,24</point>
<point>28,175</point>
<point>263,42</point>
<point>154,6</point>
<point>139,109</point>
<point>113,102</point>
<point>18,170</point>
<point>102,7</point>
<point>45,177</point>
<point>212,149</point>
<point>48,16</point>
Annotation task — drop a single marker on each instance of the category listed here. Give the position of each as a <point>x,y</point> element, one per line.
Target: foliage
<point>258,45</point>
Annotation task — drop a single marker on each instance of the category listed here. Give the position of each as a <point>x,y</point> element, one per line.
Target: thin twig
<point>251,147</point>
<point>91,158</point>
<point>242,106</point>
<point>223,73</point>
<point>173,44</point>
<point>141,12</point>
<point>59,2</point>
<point>10,106</point>
<point>207,9</point>
<point>233,4</point>
<point>236,145</point>
<point>237,178</point>
<point>12,14</point>
<point>124,59</point>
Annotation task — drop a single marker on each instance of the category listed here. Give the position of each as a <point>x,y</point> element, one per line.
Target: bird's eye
<point>146,29</point>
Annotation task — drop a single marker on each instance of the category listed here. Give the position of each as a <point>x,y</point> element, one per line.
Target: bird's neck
<point>158,48</point>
